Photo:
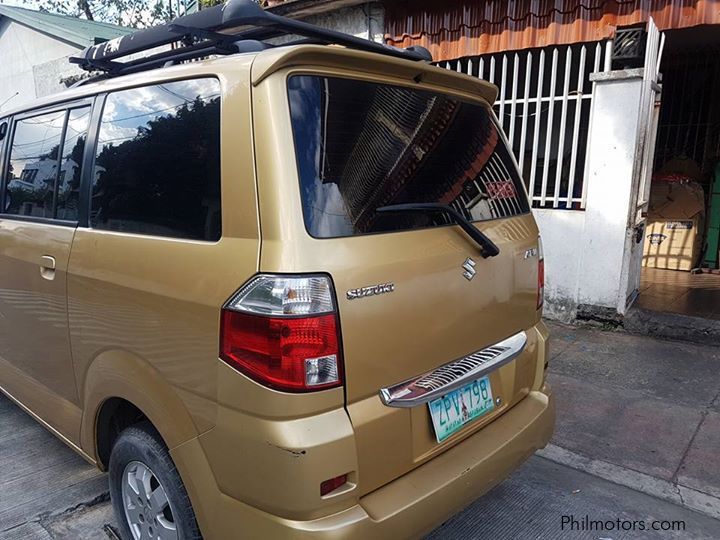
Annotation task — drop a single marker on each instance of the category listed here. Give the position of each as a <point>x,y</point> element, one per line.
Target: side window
<point>33,167</point>
<point>157,166</point>
<point>68,192</point>
<point>43,178</point>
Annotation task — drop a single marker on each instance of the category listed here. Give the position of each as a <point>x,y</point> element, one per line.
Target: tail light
<point>282,331</point>
<point>541,275</point>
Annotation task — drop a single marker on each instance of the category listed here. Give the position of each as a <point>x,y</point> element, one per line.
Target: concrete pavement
<point>646,410</point>
<point>40,477</point>
<point>546,500</point>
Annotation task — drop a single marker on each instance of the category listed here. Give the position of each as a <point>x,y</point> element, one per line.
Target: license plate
<point>455,409</point>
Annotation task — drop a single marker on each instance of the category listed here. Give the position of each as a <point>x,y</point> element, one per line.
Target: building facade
<point>34,51</point>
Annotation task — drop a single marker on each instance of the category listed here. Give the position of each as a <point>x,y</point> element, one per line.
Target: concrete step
<point>672,326</point>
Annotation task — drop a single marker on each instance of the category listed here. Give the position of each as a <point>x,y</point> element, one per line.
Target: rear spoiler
<point>358,61</point>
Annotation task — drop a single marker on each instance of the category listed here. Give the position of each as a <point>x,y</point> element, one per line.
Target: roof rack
<point>234,27</point>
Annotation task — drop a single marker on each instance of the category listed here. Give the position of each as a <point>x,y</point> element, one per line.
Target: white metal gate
<point>544,106</point>
<point>648,120</point>
<point>648,115</point>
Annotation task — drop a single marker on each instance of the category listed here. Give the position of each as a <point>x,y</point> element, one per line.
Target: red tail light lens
<point>289,352</point>
<point>541,276</point>
<point>328,486</point>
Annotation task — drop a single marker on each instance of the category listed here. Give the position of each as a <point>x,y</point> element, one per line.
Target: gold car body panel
<point>144,325</point>
<point>144,311</point>
<point>35,361</point>
<point>127,293</point>
<point>406,508</point>
<point>433,316</point>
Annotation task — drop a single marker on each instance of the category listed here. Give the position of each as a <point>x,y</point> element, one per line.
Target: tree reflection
<point>164,179</point>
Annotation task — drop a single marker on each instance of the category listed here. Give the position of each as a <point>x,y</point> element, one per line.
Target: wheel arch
<point>121,383</point>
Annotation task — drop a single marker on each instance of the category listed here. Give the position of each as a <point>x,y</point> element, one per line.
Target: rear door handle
<point>47,267</point>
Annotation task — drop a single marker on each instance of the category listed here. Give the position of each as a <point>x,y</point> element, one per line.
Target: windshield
<point>363,145</point>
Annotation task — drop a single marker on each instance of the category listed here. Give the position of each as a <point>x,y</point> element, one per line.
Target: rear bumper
<point>409,506</point>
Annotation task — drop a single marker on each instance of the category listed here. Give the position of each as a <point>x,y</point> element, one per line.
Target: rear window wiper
<point>488,248</point>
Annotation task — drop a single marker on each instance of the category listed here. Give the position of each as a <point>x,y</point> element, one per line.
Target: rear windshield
<point>363,145</point>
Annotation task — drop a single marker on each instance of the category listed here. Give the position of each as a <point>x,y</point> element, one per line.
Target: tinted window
<point>157,167</point>
<point>33,167</point>
<point>363,145</point>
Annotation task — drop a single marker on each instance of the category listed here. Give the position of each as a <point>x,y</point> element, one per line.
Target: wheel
<point>147,494</point>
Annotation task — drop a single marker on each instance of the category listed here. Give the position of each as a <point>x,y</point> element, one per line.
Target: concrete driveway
<point>44,483</point>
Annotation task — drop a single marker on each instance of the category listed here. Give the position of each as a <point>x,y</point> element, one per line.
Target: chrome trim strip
<point>455,374</point>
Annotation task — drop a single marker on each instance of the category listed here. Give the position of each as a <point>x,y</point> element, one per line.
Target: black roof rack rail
<point>234,27</point>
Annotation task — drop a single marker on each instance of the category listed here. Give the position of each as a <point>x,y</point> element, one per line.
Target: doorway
<point>680,258</point>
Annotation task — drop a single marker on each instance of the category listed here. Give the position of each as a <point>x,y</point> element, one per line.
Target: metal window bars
<point>544,107</point>
<point>493,179</point>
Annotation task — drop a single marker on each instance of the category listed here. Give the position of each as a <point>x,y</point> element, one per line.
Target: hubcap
<point>147,509</point>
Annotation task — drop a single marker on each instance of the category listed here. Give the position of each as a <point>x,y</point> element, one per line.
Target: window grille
<point>544,107</point>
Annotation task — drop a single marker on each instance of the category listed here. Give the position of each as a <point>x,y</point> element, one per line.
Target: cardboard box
<point>672,245</point>
<point>672,201</point>
<point>674,229</point>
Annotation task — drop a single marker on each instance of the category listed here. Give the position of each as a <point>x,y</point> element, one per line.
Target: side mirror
<point>3,130</point>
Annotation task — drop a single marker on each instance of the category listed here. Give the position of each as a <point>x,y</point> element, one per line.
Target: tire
<point>140,464</point>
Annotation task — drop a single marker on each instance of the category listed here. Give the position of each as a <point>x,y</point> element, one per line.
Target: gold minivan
<point>284,292</point>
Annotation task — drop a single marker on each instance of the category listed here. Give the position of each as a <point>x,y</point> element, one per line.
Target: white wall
<point>562,232</point>
<point>365,21</point>
<point>32,64</point>
<point>590,256</point>
<point>355,20</point>
<point>611,154</point>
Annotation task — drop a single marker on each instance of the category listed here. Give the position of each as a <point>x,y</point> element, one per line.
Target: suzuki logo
<point>374,290</point>
<point>469,267</point>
